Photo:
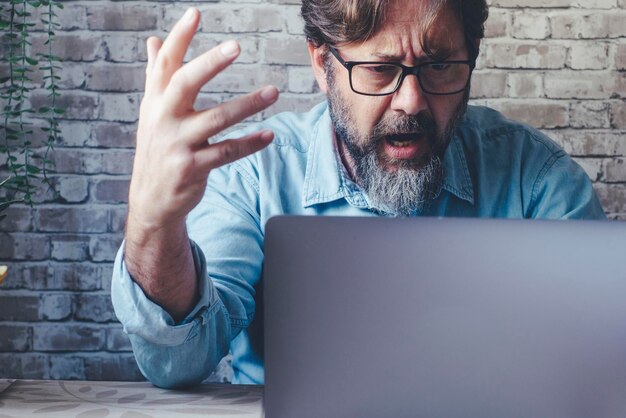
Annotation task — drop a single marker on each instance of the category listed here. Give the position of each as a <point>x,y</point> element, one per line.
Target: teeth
<point>400,144</point>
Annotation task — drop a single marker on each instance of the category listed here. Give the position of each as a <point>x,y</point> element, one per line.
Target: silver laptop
<point>445,318</point>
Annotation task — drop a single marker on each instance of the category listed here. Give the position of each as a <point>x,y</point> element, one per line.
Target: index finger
<point>171,54</point>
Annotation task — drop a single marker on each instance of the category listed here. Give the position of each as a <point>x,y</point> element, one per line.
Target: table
<point>89,399</point>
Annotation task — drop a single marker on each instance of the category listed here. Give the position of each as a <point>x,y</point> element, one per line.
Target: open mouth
<point>403,140</point>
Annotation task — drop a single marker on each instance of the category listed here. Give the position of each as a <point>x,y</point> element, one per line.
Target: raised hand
<point>173,159</point>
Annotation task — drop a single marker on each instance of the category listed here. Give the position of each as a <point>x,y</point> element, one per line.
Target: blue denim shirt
<point>493,168</point>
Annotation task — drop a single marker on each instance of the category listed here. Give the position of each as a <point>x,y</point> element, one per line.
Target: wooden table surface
<point>88,399</point>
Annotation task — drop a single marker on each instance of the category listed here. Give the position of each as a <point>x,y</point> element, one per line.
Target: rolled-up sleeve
<point>227,246</point>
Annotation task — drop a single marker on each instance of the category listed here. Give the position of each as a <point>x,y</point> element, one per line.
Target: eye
<point>439,66</point>
<point>382,69</point>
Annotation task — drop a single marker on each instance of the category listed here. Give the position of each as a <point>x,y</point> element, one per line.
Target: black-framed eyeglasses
<point>380,78</point>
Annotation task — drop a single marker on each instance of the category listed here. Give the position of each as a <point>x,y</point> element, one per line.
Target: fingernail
<point>189,14</point>
<point>229,48</point>
<point>269,93</point>
<point>267,135</point>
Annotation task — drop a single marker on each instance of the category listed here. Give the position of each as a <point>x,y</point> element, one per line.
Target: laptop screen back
<point>375,317</point>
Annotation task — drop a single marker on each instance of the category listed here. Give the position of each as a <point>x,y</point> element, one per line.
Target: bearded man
<point>396,137</point>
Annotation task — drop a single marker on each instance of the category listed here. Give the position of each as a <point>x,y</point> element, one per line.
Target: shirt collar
<point>326,179</point>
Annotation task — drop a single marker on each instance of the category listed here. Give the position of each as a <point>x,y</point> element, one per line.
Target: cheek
<point>443,108</point>
<point>368,111</point>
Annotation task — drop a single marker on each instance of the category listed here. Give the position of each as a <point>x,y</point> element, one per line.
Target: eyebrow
<point>439,54</point>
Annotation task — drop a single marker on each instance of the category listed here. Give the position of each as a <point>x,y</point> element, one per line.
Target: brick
<point>66,337</point>
<point>301,80</point>
<point>107,275</point>
<point>203,42</point>
<point>589,115</point>
<point>612,197</point>
<point>112,367</point>
<point>585,85</point>
<point>587,25</point>
<point>242,79</point>
<point>116,135</point>
<point>117,340</point>
<point>119,107</point>
<point>78,106</point>
<point>70,247</point>
<point>104,247</point>
<point>530,3</point>
<point>539,114</point>
<point>293,20</point>
<point>115,77</point>
<point>73,220</point>
<point>281,50</point>
<point>594,4</point>
<point>18,218</point>
<point>588,56</point>
<point>488,84</point>
<point>64,367</point>
<point>77,161</point>
<point>7,246</point>
<point>618,114</point>
<point>32,276</point>
<point>620,57</point>
<point>116,16</point>
<point>122,47</point>
<point>15,338</point>
<point>72,76</point>
<point>110,190</point>
<point>592,166</point>
<point>236,19</point>
<point>530,25</point>
<point>55,306</point>
<point>525,84</point>
<point>526,55</point>
<point>615,170</point>
<point>73,189</point>
<point>118,218</point>
<point>79,277</point>
<point>19,307</point>
<point>74,134</point>
<point>293,103</point>
<point>73,17</point>
<point>23,366</point>
<point>73,46</point>
<point>118,162</point>
<point>30,246</point>
<point>94,308</point>
<point>597,143</point>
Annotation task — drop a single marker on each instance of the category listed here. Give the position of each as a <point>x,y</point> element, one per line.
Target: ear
<point>317,62</point>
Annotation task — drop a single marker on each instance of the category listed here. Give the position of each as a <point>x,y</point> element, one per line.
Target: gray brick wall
<point>559,65</point>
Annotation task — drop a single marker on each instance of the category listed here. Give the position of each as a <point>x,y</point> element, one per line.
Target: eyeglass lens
<point>437,78</point>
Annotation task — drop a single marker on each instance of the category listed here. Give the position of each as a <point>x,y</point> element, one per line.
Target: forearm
<point>161,263</point>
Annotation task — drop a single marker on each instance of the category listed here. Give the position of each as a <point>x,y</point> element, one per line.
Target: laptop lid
<point>427,317</point>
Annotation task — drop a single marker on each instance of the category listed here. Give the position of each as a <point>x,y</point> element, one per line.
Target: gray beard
<point>412,185</point>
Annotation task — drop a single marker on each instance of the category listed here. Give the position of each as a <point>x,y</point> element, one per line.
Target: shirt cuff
<point>144,318</point>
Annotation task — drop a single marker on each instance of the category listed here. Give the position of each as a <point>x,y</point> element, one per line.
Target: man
<point>395,138</point>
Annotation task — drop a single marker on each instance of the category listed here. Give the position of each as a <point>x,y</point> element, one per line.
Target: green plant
<point>26,164</point>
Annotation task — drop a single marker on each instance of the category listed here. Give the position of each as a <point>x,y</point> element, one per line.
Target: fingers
<point>153,44</point>
<point>210,122</point>
<point>170,56</point>
<point>188,80</point>
<point>224,152</point>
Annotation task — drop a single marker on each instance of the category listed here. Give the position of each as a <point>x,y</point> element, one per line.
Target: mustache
<point>420,124</point>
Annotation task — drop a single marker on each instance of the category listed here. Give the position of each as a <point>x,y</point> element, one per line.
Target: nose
<point>409,98</point>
